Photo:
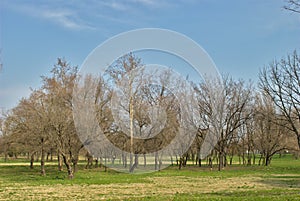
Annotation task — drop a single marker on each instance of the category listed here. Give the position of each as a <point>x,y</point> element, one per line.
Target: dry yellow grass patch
<point>156,186</point>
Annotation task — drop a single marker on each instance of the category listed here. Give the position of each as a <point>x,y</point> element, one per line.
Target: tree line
<point>250,122</point>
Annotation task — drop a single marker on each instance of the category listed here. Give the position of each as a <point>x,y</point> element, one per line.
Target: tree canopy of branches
<point>223,105</point>
<point>293,5</point>
<point>59,89</point>
<point>44,121</point>
<point>141,112</point>
<point>281,82</point>
<point>271,133</point>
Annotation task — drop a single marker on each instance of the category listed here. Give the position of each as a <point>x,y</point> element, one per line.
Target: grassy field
<point>280,181</point>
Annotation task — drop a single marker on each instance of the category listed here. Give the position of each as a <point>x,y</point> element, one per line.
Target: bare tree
<point>92,115</point>
<point>271,133</point>
<point>248,136</point>
<point>28,127</point>
<point>223,106</point>
<point>126,76</point>
<point>3,144</point>
<point>281,82</point>
<point>59,90</point>
<point>292,5</point>
<point>147,107</point>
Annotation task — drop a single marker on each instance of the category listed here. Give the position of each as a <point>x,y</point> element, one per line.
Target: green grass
<point>280,181</point>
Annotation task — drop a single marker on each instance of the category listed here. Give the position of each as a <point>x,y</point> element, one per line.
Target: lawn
<point>280,181</point>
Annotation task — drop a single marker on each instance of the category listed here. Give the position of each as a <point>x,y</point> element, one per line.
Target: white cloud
<point>146,2</point>
<point>154,3</point>
<point>78,15</point>
<point>64,17</point>
<point>116,5</point>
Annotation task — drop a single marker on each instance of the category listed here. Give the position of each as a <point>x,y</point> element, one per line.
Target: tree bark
<point>69,167</point>
<point>59,162</point>
<point>180,163</point>
<point>221,161</point>
<point>298,137</point>
<point>145,160</point>
<point>156,161</point>
<point>31,160</point>
<point>253,158</point>
<point>89,161</point>
<point>268,160</point>
<point>210,163</point>
<point>136,162</point>
<point>75,162</point>
<point>43,172</point>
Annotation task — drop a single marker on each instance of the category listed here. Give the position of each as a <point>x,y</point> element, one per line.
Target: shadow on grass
<point>283,181</point>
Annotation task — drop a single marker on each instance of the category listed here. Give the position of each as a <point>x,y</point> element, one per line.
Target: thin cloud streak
<point>63,17</point>
<point>83,14</point>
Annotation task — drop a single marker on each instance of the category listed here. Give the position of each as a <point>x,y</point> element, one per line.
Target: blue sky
<point>241,36</point>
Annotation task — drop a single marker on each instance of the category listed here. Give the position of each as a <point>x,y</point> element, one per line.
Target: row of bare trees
<point>142,112</point>
<point>43,122</point>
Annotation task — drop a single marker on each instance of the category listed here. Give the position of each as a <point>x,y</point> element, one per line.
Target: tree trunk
<point>268,160</point>
<point>97,162</point>
<point>68,166</point>
<point>43,172</point>
<point>221,161</point>
<point>160,163</point>
<point>101,161</point>
<point>193,158</point>
<point>210,163</point>
<point>248,157</point>
<point>105,164</point>
<point>31,160</point>
<point>249,161</point>
<point>298,137</point>
<point>186,159</point>
<point>5,156</point>
<point>131,161</point>
<point>145,160</point>
<point>124,157</point>
<point>136,162</point>
<point>253,158</point>
<point>59,162</point>
<point>231,157</point>
<point>37,157</point>
<point>113,158</point>
<point>156,161</point>
<point>225,160</point>
<point>5,153</point>
<point>131,112</point>
<point>89,161</point>
<point>180,162</point>
<point>51,155</point>
<point>75,162</point>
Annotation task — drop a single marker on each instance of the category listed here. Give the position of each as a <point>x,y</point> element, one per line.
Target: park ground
<point>279,181</point>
